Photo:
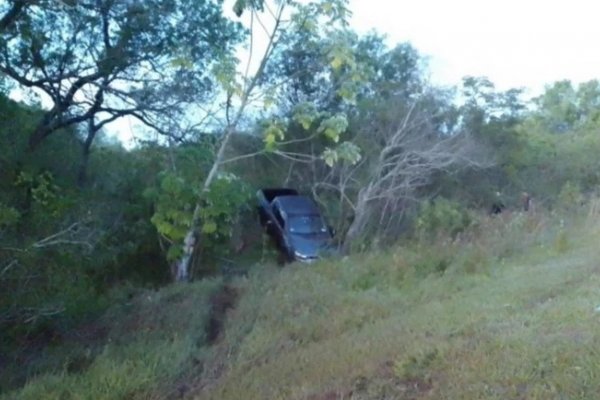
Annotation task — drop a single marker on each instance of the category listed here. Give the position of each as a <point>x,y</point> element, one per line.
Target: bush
<point>137,347</point>
<point>442,217</point>
<point>570,197</point>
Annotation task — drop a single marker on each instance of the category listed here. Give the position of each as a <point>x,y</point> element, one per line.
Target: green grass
<point>150,340</point>
<point>508,311</point>
<point>373,327</point>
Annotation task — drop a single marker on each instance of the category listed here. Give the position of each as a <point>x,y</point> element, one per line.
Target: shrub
<point>442,217</point>
<point>570,197</point>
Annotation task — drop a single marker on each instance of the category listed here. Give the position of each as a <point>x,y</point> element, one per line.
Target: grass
<point>507,311</point>
<point>148,341</point>
<point>488,325</point>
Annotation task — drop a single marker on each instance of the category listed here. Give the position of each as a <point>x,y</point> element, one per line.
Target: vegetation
<point>391,326</point>
<point>430,296</point>
<point>132,351</point>
<point>484,318</point>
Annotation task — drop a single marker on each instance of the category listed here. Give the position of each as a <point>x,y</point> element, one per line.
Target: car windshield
<point>306,224</point>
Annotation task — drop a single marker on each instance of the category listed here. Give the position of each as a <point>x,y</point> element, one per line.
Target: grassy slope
<point>143,345</point>
<point>493,325</point>
<point>370,328</point>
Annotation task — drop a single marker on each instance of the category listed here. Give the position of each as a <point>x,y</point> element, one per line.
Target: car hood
<point>310,246</point>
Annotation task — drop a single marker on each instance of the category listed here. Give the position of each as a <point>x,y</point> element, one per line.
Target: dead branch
<point>68,236</point>
<point>410,154</point>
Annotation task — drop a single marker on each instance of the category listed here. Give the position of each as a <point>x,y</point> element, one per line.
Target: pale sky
<point>515,43</point>
<point>526,43</point>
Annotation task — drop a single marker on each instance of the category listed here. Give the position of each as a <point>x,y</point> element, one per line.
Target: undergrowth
<point>505,309</point>
<point>501,311</point>
<point>148,341</point>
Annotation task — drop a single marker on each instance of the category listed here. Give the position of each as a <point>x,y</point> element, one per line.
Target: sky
<point>515,43</point>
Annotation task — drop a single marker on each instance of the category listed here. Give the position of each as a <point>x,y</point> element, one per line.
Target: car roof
<point>297,205</point>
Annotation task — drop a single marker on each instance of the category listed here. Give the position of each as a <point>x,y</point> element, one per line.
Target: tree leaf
<point>333,127</point>
<point>209,227</point>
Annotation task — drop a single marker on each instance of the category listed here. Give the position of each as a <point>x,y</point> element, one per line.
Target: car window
<point>307,224</point>
<point>278,216</point>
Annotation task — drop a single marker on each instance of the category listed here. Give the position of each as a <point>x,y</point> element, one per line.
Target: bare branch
<point>410,155</point>
<point>8,267</point>
<point>13,13</point>
<point>66,236</point>
<point>242,157</point>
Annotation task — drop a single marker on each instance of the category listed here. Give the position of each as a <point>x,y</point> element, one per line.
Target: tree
<point>557,106</point>
<point>97,61</point>
<point>12,10</point>
<point>326,18</point>
<point>563,108</point>
<point>382,76</point>
<point>412,149</point>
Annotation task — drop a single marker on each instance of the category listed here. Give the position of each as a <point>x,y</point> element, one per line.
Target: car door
<point>279,220</point>
<point>279,230</point>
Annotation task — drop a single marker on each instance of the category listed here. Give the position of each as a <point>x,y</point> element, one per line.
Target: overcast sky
<point>516,43</point>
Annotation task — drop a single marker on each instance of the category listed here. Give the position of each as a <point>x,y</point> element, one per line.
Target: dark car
<point>295,223</point>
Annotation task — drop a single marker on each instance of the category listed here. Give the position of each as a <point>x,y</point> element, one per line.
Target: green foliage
<point>397,329</point>
<point>174,201</point>
<point>48,46</point>
<point>570,197</point>
<point>305,114</point>
<point>442,217</point>
<point>273,132</point>
<point>314,79</point>
<point>474,259</point>
<point>434,263</point>
<point>149,341</point>
<point>39,285</point>
<point>176,196</point>
<point>43,191</point>
<point>345,151</point>
<point>333,127</point>
<point>394,336</point>
<point>8,216</point>
<point>222,205</point>
<point>563,107</point>
<point>225,74</point>
<point>330,97</point>
<point>63,246</point>
<point>241,5</point>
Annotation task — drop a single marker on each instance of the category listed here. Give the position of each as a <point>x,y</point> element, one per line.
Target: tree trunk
<point>359,222</point>
<point>182,266</point>
<point>39,134</point>
<point>85,154</point>
<point>192,239</point>
<point>49,123</point>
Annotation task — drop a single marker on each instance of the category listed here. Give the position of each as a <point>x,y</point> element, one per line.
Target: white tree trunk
<point>183,265</point>
<point>193,237</point>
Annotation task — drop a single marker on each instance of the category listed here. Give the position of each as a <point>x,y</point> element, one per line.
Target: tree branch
<point>13,13</point>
